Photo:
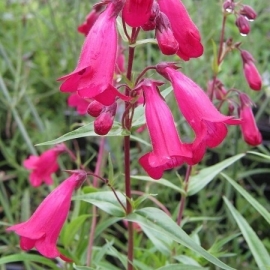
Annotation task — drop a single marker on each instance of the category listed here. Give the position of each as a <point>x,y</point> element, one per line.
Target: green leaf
<point>205,176</point>
<point>87,131</point>
<point>77,267</point>
<point>70,229</point>
<point>161,181</point>
<point>259,154</point>
<point>181,267</point>
<point>158,221</point>
<point>253,202</point>
<point>257,248</point>
<point>24,257</point>
<point>106,201</point>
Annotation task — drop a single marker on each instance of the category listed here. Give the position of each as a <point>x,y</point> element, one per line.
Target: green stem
<point>184,196</point>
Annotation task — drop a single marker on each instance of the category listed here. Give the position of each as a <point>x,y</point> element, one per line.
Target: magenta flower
<point>168,151</point>
<point>252,75</point>
<point>166,40</point>
<point>184,30</point>
<point>137,12</point>
<point>74,100</point>
<point>42,229</point>
<point>93,76</point>
<point>43,166</point>
<point>208,123</point>
<point>250,131</point>
<point>90,19</point>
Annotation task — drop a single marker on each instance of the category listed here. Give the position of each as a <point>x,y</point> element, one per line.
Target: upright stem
<point>128,120</point>
<point>184,196</point>
<point>219,57</point>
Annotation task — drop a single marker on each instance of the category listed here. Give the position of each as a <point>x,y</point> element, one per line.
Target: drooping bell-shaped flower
<point>90,19</point>
<point>137,12</point>
<point>165,38</point>
<point>42,229</point>
<point>208,123</point>
<point>250,131</point>
<point>42,167</point>
<point>252,75</point>
<point>81,105</point>
<point>93,76</point>
<point>184,30</point>
<point>167,149</point>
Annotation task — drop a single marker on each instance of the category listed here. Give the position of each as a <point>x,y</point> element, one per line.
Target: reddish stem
<point>128,119</point>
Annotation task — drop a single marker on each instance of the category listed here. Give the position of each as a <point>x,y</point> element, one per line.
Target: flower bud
<point>151,24</point>
<point>166,40</point>
<point>252,75</point>
<point>91,18</point>
<point>104,122</point>
<point>248,12</point>
<point>243,25</point>
<point>250,131</point>
<point>94,108</point>
<point>228,6</point>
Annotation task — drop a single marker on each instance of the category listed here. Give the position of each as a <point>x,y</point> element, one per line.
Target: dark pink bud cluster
<point>252,75</point>
<point>104,116</point>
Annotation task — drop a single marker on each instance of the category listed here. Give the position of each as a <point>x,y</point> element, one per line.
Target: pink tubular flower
<point>252,75</point>
<point>42,229</point>
<point>250,131</point>
<point>104,122</point>
<point>74,100</point>
<point>93,76</point>
<point>168,151</point>
<point>90,19</point>
<point>166,40</point>
<point>243,25</point>
<point>206,121</point>
<point>184,30</point>
<point>43,166</point>
<point>137,12</point>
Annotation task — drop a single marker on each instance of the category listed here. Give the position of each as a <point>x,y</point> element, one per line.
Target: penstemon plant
<point>127,100</point>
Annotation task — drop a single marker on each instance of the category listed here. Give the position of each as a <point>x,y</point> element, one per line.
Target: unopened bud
<point>252,75</point>
<point>151,24</point>
<point>228,6</point>
<point>250,131</point>
<point>243,25</point>
<point>94,108</point>
<point>166,40</point>
<point>248,12</point>
<point>104,122</point>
